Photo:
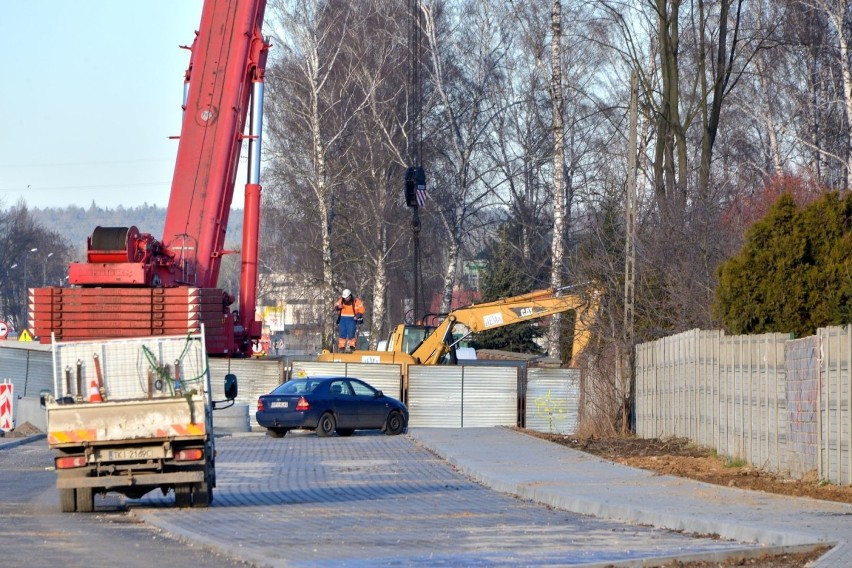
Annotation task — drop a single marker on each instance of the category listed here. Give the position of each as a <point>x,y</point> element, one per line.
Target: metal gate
<point>553,400</point>
<point>462,396</point>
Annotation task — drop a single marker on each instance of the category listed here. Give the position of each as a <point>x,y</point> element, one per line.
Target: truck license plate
<point>130,454</point>
<point>279,404</point>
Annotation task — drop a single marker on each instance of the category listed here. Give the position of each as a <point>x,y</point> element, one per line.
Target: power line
<point>62,187</point>
<point>71,164</point>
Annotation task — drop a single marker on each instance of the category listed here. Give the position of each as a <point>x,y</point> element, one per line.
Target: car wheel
<point>326,425</point>
<point>395,423</point>
<point>345,432</point>
<point>276,432</point>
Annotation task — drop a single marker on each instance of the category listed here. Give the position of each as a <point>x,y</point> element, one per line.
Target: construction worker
<point>350,313</point>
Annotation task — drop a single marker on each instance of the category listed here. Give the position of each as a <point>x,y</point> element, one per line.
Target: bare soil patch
<point>679,457</point>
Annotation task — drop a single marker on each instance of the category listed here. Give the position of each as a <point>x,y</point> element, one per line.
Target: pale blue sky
<point>89,95</point>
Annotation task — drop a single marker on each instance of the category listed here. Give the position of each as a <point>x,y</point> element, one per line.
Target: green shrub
<point>794,271</point>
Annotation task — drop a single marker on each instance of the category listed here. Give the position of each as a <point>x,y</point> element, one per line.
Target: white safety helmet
<point>346,293</point>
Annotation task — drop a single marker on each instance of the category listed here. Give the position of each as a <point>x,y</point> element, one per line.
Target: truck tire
<point>183,494</point>
<point>202,494</point>
<point>85,500</point>
<point>68,500</point>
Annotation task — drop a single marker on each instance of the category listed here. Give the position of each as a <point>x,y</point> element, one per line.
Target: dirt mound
<point>22,431</point>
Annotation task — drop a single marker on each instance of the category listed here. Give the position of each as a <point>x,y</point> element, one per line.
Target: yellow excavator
<point>433,345</point>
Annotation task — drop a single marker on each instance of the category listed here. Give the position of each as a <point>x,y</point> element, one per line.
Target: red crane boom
<point>135,285</point>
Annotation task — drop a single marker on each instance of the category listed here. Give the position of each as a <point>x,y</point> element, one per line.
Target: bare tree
<point>379,157</point>
<point>560,201</point>
<point>837,13</point>
<point>466,50</point>
<point>31,256</point>
<point>313,100</point>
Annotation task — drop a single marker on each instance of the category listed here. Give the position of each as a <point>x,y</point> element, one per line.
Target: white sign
<point>4,330</point>
<point>491,320</point>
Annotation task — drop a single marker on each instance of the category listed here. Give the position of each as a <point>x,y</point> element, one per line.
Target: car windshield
<point>297,386</point>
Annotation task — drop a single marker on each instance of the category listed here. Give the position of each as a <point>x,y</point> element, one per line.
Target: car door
<point>371,408</point>
<point>345,403</point>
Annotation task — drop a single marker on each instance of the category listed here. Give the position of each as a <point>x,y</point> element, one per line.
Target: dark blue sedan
<point>328,405</point>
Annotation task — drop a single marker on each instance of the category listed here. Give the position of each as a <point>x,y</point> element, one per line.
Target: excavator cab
<point>413,336</point>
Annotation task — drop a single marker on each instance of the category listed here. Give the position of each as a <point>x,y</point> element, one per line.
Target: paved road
<point>575,481</point>
<point>304,501</point>
<point>378,501</point>
<point>34,533</point>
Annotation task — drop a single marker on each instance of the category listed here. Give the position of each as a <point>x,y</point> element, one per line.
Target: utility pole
<point>627,363</point>
<point>415,176</point>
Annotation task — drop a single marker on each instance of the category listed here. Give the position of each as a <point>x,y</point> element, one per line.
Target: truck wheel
<point>68,500</point>
<point>85,500</point>
<point>326,425</point>
<point>183,494</point>
<point>202,494</point>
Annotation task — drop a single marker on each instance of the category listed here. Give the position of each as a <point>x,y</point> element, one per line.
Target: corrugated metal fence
<point>781,404</point>
<point>28,366</point>
<point>553,400</point>
<point>256,377</point>
<point>449,396</point>
<point>480,394</point>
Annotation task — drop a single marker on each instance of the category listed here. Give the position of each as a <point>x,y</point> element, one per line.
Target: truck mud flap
<point>153,479</point>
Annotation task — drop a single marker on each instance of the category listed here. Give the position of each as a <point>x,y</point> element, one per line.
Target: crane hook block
<point>410,187</point>
<point>415,186</point>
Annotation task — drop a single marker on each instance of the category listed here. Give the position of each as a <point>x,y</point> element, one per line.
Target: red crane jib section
<point>142,284</point>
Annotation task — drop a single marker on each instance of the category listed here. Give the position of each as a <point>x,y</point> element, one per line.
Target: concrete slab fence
<point>781,404</point>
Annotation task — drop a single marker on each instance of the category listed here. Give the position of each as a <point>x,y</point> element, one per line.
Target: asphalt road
<point>34,533</point>
<point>304,501</point>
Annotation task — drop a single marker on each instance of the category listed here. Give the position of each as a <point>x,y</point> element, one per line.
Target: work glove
<point>359,319</point>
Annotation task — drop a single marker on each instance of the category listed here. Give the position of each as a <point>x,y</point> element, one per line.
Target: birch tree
<point>465,50</point>
<point>378,161</point>
<point>838,16</point>
<point>313,100</point>
<point>557,249</point>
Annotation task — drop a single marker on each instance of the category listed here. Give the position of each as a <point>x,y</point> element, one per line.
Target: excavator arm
<point>412,345</point>
<point>507,311</point>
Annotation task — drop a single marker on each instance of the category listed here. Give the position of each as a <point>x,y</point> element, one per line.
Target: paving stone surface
<point>380,500</point>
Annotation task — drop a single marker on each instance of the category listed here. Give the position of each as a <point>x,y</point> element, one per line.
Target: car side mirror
<point>231,388</point>
<point>379,394</point>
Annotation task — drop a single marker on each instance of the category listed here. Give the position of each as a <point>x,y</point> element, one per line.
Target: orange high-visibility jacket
<point>352,309</point>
